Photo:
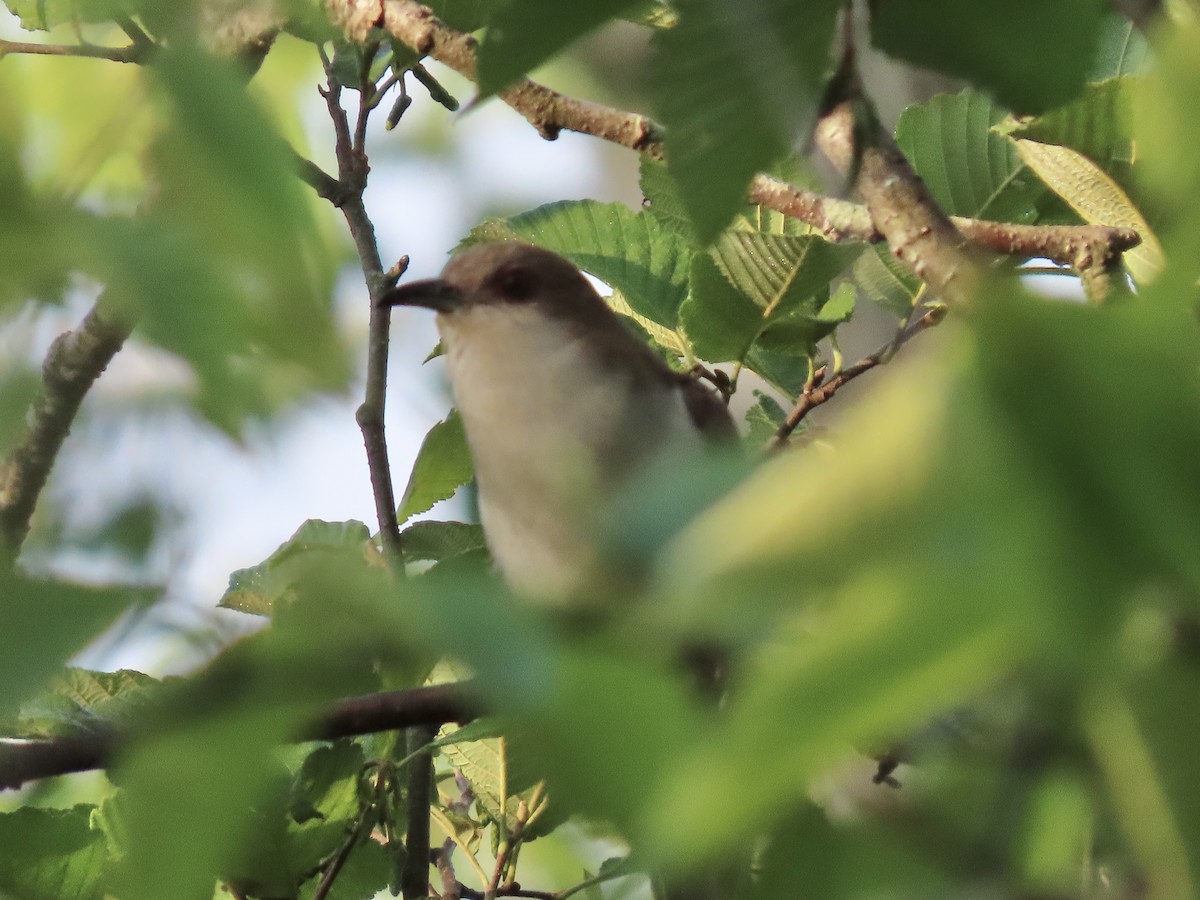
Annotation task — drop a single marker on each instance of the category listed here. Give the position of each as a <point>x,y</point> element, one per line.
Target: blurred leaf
<point>522,34</point>
<point>736,84</point>
<point>1123,50</point>
<point>1099,124</point>
<point>80,700</point>
<point>443,465</point>
<point>1031,55</point>
<point>633,252</point>
<point>260,590</point>
<point>969,168</point>
<point>1140,783</point>
<point>1097,198</point>
<point>45,624</point>
<point>753,283</point>
<point>886,281</point>
<point>440,540</point>
<point>463,15</point>
<point>228,269</point>
<point>50,854</point>
<point>42,15</point>
<point>608,729</point>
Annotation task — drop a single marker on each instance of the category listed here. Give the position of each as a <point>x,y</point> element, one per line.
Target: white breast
<point>549,430</point>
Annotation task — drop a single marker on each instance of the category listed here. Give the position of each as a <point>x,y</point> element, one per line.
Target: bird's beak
<point>431,293</point>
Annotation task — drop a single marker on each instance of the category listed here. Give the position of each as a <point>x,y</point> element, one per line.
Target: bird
<point>562,406</point>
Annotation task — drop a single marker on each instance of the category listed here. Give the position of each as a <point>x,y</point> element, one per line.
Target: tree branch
<point>551,112</point>
<point>136,52</point>
<point>346,192</point>
<point>23,761</point>
<point>819,391</point>
<point>73,363</point>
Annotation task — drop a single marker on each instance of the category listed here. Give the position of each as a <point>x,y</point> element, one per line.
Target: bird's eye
<point>512,283</point>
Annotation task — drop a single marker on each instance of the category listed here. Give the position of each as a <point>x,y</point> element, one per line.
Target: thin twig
<point>352,177</point>
<point>136,52</point>
<point>362,827</point>
<point>24,761</point>
<point>819,391</point>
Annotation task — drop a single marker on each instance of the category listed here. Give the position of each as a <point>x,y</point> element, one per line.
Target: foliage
<point>984,573</point>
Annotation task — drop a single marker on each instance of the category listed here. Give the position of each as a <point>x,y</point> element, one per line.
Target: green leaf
<point>440,540</point>
<point>1099,124</point>
<point>662,197</point>
<point>786,371</point>
<point>633,252</point>
<point>80,701</point>
<point>969,168</point>
<point>1029,54</point>
<point>443,465</point>
<point>522,34</point>
<point>736,83</point>
<point>50,854</point>
<point>45,624</point>
<point>763,420</point>
<point>261,590</point>
<point>42,15</point>
<point>752,283</point>
<point>463,15</point>
<point>1097,198</point>
<point>886,281</point>
<point>1123,50</point>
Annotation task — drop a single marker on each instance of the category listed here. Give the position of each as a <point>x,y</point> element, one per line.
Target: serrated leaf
<point>260,589</point>
<point>522,34</point>
<point>50,854</point>
<point>1030,54</point>
<point>763,420</point>
<point>634,252</point>
<point>736,83</point>
<point>969,168</point>
<point>443,465</point>
<point>886,281</point>
<point>662,199</point>
<point>440,540</point>
<point>81,700</point>
<point>751,282</point>
<point>670,340</point>
<point>1099,124</point>
<point>1097,198</point>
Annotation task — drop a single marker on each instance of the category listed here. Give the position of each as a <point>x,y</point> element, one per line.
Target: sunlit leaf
<point>1097,198</point>
<point>646,261</point>
<point>1099,124</point>
<point>261,589</point>
<point>754,283</point>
